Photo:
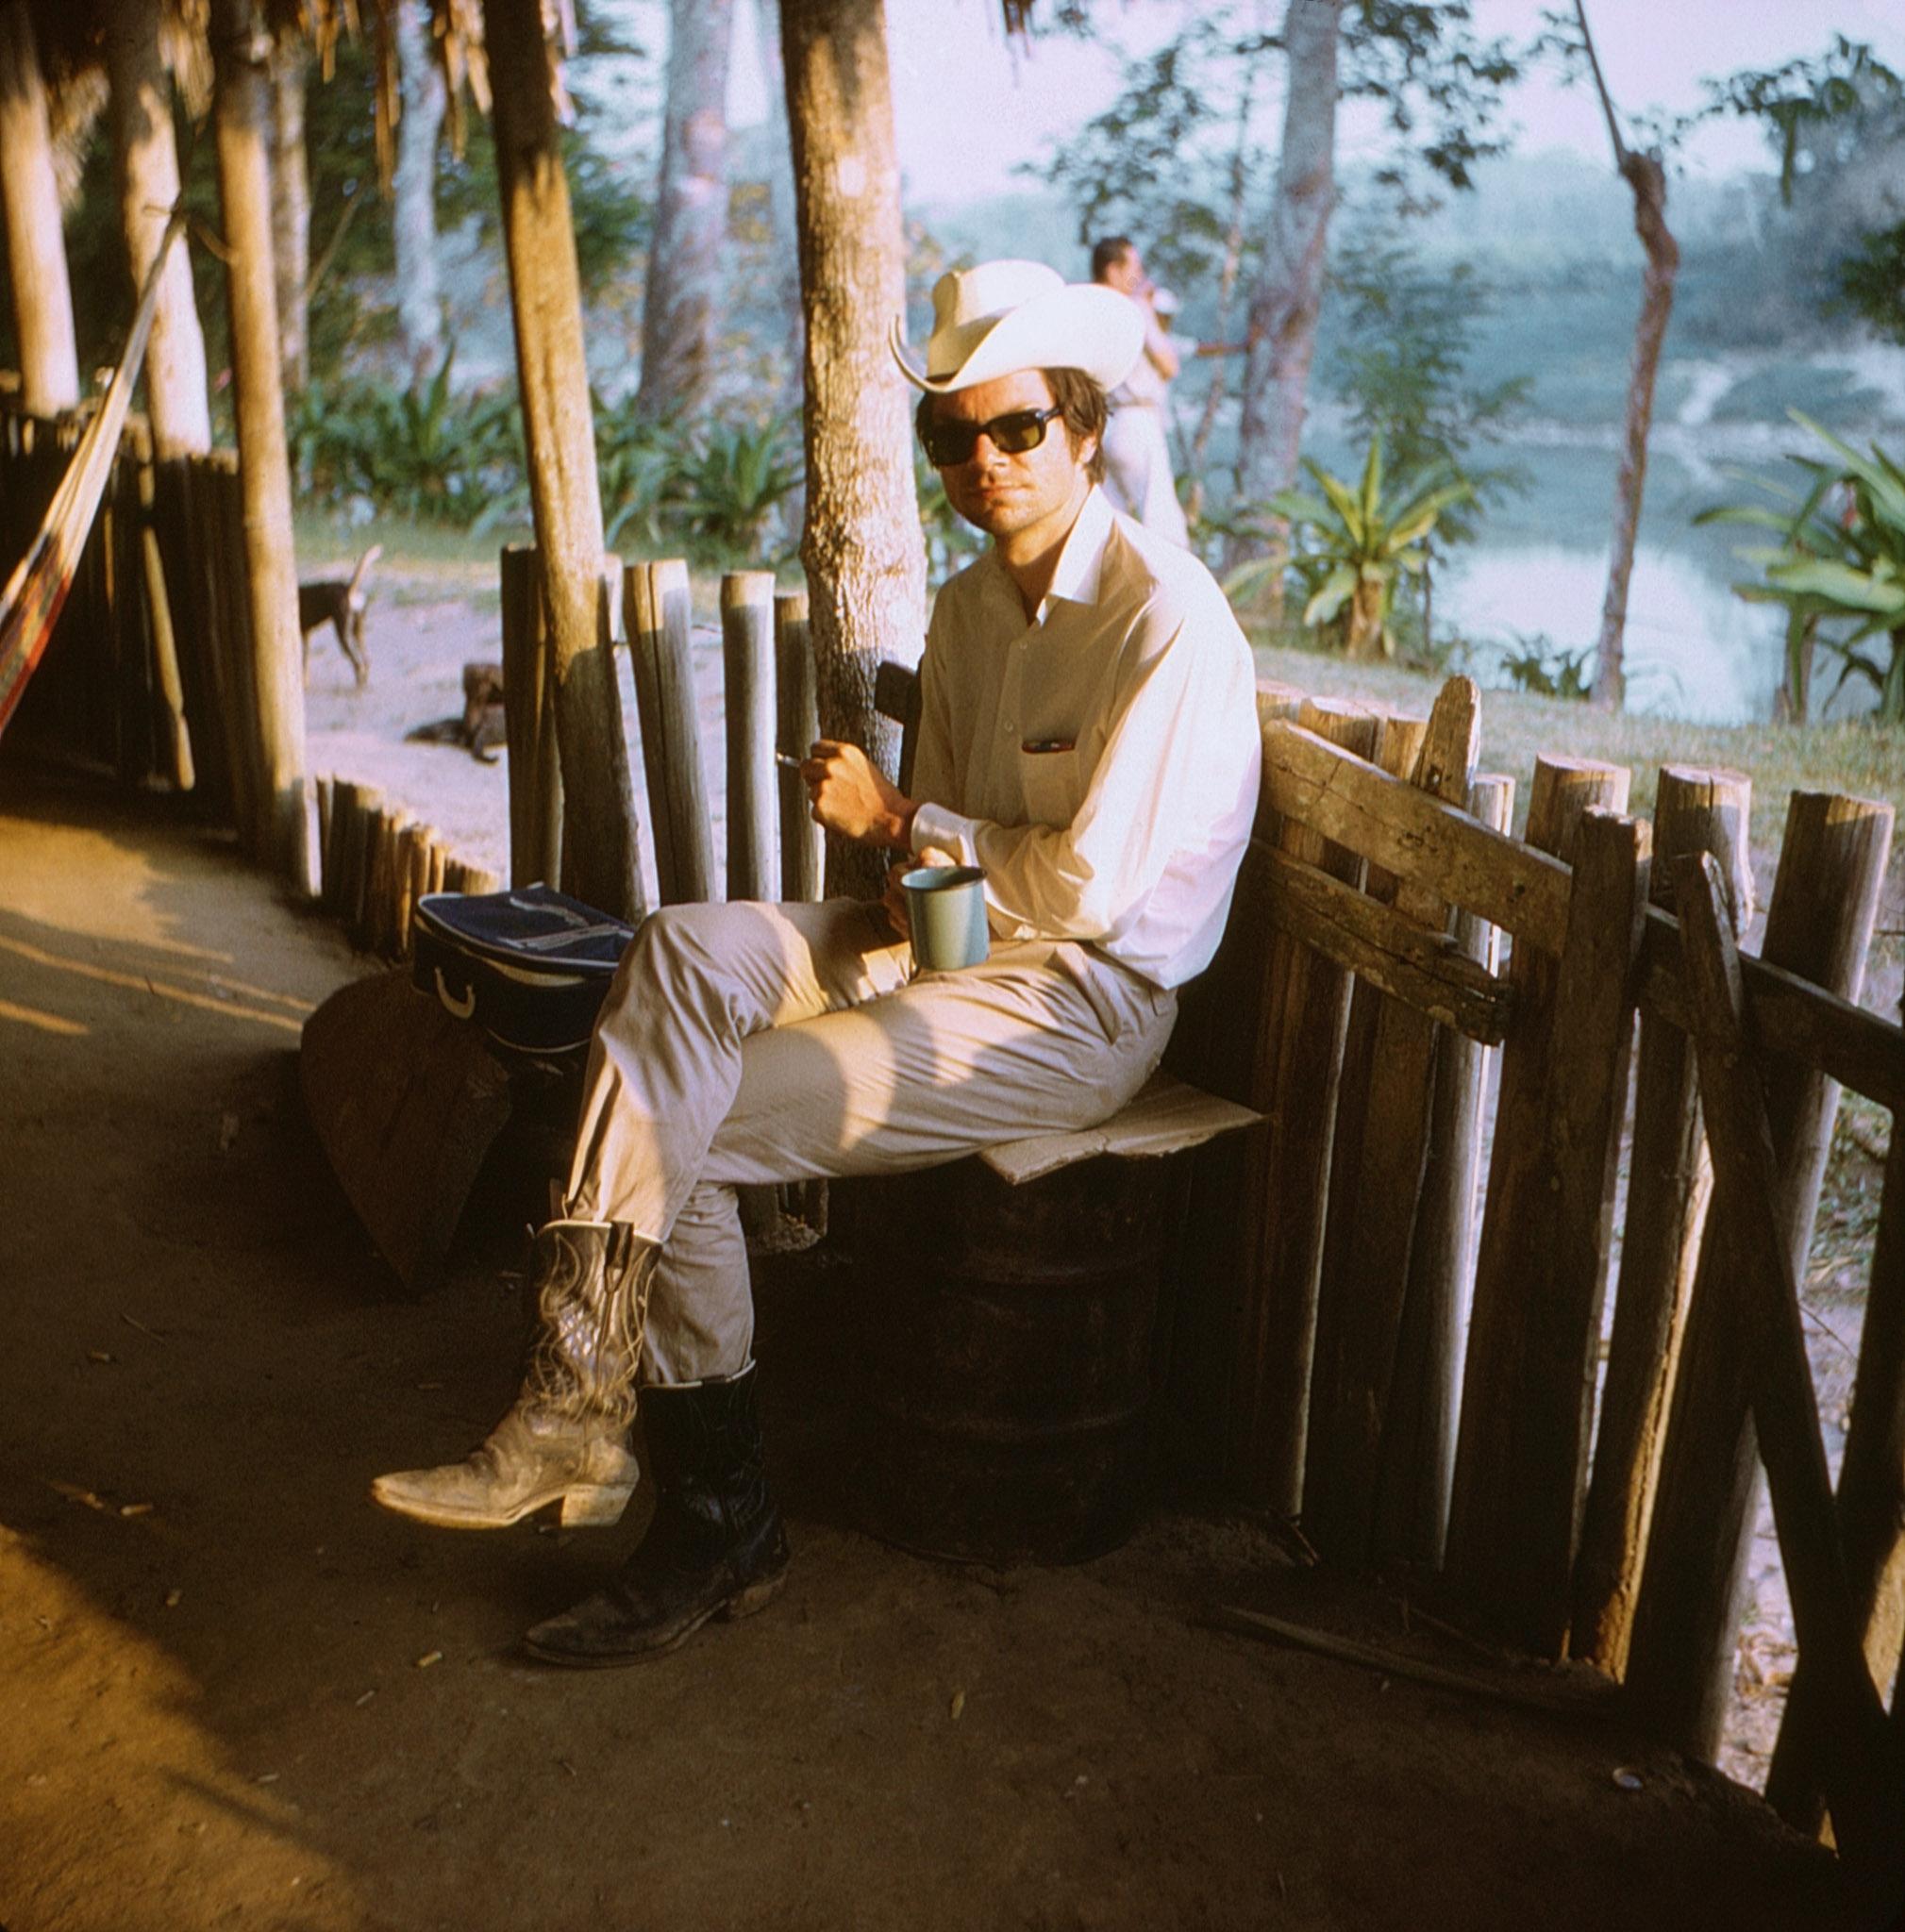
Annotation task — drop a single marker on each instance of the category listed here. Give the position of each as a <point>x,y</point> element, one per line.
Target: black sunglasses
<point>1012,434</point>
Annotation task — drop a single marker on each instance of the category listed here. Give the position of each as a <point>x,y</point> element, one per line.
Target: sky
<point>968,107</point>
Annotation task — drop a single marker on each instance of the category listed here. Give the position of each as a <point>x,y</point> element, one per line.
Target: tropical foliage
<point>1349,549</point>
<point>1838,568</point>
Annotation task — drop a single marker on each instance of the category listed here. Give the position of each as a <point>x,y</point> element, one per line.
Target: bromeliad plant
<point>1349,549</point>
<point>1838,569</point>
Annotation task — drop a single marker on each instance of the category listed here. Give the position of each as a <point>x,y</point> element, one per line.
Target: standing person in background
<point>1137,455</point>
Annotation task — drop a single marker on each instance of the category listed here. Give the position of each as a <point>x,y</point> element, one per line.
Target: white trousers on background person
<point>750,1042</point>
<point>1138,470</point>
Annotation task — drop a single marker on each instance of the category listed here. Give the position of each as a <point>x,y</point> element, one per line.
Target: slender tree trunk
<point>546,300</point>
<point>242,111</point>
<point>36,244</point>
<point>1227,291</point>
<point>1289,291</point>
<point>145,166</point>
<point>782,221</point>
<point>413,214</point>
<point>1648,180</point>
<point>1644,176</point>
<point>290,206</point>
<point>683,295</point>
<point>862,546</point>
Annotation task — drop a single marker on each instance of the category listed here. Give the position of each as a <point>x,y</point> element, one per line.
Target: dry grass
<point>1859,760</point>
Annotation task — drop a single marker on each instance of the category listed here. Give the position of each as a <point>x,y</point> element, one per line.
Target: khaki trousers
<point>749,1043</point>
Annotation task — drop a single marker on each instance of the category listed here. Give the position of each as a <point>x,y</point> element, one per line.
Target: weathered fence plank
<point>1299,1051</point>
<point>1863,1779</point>
<point>1669,1180</point>
<point>747,667</point>
<point>1525,892</point>
<point>1376,1169</point>
<point>1871,1508</point>
<point>1686,1620</point>
<point>660,623</point>
<point>803,844</point>
<point>529,724</point>
<point>1418,1446</point>
<point>1546,1176</point>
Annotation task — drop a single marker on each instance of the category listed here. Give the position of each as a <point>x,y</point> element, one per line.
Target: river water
<point>1693,649</point>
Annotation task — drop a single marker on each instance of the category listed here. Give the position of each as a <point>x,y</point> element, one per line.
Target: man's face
<point>1128,274</point>
<point>1003,494</point>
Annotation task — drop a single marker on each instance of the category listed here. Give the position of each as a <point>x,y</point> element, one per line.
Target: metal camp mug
<point>947,907</point>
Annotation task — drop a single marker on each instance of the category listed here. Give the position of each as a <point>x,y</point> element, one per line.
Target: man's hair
<point>1082,409</point>
<point>1108,253</point>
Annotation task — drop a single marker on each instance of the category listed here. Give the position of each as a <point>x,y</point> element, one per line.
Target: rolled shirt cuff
<point>933,825</point>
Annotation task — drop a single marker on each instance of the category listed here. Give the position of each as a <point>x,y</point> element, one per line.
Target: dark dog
<point>341,604</point>
<point>481,727</point>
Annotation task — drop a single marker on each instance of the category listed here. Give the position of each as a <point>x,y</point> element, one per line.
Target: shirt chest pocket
<point>1052,783</point>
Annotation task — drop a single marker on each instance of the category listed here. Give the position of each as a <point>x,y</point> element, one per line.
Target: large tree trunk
<point>682,294</point>
<point>1648,180</point>
<point>865,556</point>
<point>1289,291</point>
<point>413,185</point>
<point>145,167</point>
<point>547,299</point>
<point>290,206</point>
<point>36,245</point>
<point>242,111</point>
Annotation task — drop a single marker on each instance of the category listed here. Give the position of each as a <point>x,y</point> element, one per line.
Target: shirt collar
<point>1077,577</point>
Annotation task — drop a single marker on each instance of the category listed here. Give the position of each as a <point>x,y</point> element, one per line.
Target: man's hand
<point>848,794</point>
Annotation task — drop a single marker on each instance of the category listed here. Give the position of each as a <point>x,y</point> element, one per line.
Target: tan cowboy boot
<point>565,1438</point>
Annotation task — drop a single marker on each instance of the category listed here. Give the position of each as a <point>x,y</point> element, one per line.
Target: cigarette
<point>787,761</point>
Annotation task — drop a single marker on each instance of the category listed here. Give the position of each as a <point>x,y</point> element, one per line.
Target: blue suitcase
<point>531,967</point>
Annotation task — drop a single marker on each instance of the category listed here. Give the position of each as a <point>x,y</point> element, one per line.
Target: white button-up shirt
<point>1101,761</point>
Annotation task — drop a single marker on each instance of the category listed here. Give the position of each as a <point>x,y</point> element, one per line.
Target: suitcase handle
<point>458,1008</point>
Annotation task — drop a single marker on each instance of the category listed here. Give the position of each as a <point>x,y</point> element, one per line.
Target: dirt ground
<point>240,1695</point>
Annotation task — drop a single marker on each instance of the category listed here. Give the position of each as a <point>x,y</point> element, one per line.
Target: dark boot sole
<point>745,1602</point>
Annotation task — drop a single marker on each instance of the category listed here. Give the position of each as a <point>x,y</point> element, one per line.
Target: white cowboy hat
<point>1004,316</point>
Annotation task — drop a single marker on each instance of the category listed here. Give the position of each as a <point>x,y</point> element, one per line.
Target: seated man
<point>1089,736</point>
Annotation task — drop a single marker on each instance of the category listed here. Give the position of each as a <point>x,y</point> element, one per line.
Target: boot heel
<point>593,1506</point>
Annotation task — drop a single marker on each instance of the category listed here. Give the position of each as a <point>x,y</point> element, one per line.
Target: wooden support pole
<point>1861,1770</point>
<point>1669,1180</point>
<point>242,111</point>
<point>747,668</point>
<point>1299,1056</point>
<point>1418,1443</point>
<point>1543,1246</point>
<point>145,172</point>
<point>803,847</point>
<point>1686,1622</point>
<point>529,724</point>
<point>659,616</point>
<point>545,301</point>
<point>36,243</point>
<point>1871,1509</point>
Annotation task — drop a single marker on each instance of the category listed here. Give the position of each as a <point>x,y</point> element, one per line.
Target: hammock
<point>31,603</point>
